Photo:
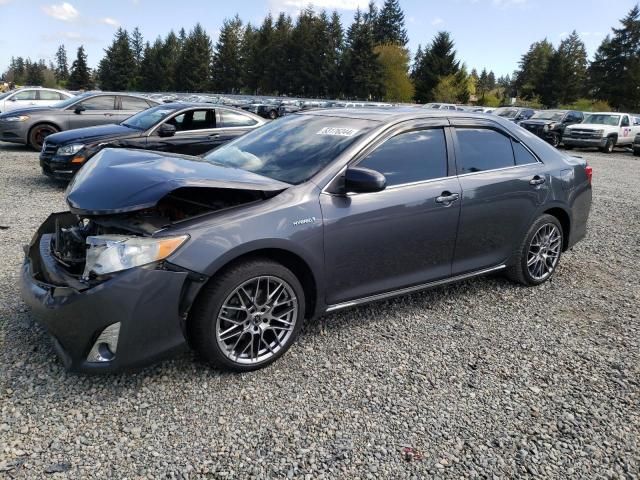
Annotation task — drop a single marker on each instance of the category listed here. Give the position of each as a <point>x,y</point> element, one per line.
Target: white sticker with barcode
<point>338,131</point>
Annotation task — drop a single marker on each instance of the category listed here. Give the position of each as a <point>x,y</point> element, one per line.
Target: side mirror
<point>166,130</point>
<point>363,180</point>
<point>79,109</point>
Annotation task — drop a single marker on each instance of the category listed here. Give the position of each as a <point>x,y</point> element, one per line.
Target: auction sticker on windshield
<point>338,131</point>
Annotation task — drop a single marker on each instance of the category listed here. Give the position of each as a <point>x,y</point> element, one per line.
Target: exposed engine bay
<point>69,242</point>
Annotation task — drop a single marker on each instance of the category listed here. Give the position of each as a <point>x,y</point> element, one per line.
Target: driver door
<point>99,110</point>
<point>401,236</point>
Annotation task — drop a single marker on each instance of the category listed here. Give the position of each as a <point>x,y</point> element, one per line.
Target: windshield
<point>602,119</point>
<point>506,112</point>
<point>70,101</point>
<point>292,149</point>
<point>148,118</point>
<point>549,115</point>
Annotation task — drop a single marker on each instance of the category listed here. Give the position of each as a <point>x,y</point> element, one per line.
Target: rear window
<point>292,149</point>
<point>133,104</point>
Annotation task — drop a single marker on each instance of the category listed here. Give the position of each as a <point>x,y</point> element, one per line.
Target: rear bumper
<point>585,142</point>
<point>146,301</point>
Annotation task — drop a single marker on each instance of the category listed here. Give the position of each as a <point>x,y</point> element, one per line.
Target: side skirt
<point>415,288</point>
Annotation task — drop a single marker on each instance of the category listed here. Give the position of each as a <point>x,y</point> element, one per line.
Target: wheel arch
<point>39,124</point>
<point>565,221</point>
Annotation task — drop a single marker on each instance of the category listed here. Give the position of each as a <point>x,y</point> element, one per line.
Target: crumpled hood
<point>92,134</point>
<point>122,180</point>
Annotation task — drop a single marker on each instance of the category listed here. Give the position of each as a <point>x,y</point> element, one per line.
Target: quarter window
<point>410,157</point>
<point>103,102</point>
<point>133,104</point>
<point>235,119</point>
<point>522,155</point>
<point>482,149</point>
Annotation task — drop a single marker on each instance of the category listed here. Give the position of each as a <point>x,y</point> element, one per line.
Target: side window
<point>482,149</point>
<point>49,95</point>
<point>625,121</point>
<point>522,155</point>
<point>103,102</point>
<point>410,157</point>
<point>235,119</point>
<point>25,95</point>
<point>133,104</point>
<point>194,120</point>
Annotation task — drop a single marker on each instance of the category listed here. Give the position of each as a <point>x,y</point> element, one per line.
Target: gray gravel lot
<point>482,379</point>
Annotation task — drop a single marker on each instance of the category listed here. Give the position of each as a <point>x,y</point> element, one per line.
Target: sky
<point>488,33</point>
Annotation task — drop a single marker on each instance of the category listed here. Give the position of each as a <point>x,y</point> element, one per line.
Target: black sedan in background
<point>190,129</point>
<point>550,124</point>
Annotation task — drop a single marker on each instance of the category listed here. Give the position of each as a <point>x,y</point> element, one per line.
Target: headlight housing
<point>16,118</point>
<point>114,253</point>
<point>69,149</point>
<point>598,133</point>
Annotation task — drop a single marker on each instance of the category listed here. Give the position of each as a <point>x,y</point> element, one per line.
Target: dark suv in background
<point>550,124</point>
<point>515,114</point>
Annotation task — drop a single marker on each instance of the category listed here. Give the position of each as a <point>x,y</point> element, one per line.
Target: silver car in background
<point>30,126</point>
<point>31,97</point>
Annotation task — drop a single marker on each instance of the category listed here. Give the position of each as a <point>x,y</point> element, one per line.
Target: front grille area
<point>533,128</point>
<point>48,151</point>
<point>582,133</point>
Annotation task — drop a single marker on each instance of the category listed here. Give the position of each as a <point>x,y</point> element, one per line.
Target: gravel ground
<point>482,379</point>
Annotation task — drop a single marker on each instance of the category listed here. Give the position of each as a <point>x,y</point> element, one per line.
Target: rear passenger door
<point>401,236</point>
<point>503,184</point>
<point>130,106</point>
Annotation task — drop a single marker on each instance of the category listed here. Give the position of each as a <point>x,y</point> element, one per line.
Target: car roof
<point>391,115</point>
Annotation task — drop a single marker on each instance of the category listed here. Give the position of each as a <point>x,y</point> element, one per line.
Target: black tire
<point>273,114</point>
<point>203,319</point>
<point>608,147</point>
<point>636,152</point>
<point>555,140</point>
<point>518,270</point>
<point>38,133</point>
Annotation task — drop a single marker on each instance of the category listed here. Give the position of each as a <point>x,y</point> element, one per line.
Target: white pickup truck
<point>603,130</point>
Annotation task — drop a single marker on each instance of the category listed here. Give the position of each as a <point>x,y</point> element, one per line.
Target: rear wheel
<point>608,147</point>
<point>273,114</point>
<point>39,133</point>
<point>248,316</point>
<point>538,255</point>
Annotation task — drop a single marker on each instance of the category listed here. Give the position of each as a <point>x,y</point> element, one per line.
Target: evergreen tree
<point>532,80</point>
<point>394,60</point>
<point>279,70</point>
<point>615,70</point>
<point>390,27</point>
<point>227,60</point>
<point>438,61</point>
<point>137,47</point>
<point>169,60</point>
<point>62,66</point>
<point>117,68</point>
<point>252,65</point>
<point>361,69</point>
<point>80,75</point>
<point>153,76</point>
<point>566,72</point>
<point>34,73</point>
<point>483,84</point>
<point>334,55</point>
<point>491,80</point>
<point>194,63</point>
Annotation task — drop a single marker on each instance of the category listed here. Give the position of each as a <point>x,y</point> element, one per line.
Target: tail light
<point>589,171</point>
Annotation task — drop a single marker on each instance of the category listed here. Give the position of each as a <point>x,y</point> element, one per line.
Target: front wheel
<point>39,133</point>
<point>537,257</point>
<point>608,147</point>
<point>636,152</point>
<point>273,114</point>
<point>555,140</point>
<point>248,316</point>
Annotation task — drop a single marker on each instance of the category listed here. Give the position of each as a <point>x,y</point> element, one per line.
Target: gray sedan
<point>30,126</point>
<point>309,214</point>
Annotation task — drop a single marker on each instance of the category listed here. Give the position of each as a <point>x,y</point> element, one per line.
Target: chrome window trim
<point>415,288</point>
<point>498,169</point>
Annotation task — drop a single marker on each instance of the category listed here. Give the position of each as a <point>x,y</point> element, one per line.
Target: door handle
<point>108,114</point>
<point>214,135</point>
<point>446,198</point>
<point>537,180</point>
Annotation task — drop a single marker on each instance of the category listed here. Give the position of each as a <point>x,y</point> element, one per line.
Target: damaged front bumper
<point>143,307</point>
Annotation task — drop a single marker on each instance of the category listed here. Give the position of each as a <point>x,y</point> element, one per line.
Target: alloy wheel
<point>257,320</point>
<point>544,252</point>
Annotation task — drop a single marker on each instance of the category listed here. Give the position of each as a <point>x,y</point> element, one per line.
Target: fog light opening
<point>106,346</point>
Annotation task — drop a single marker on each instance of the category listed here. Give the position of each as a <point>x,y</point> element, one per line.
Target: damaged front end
<point>99,278</point>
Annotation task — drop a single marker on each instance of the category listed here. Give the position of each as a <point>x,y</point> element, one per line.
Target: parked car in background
<point>603,130</point>
<point>636,145</point>
<point>550,124</point>
<point>31,97</point>
<point>30,126</point>
<point>313,213</point>
<point>441,106</point>
<point>514,114</point>
<point>190,129</point>
<point>270,109</point>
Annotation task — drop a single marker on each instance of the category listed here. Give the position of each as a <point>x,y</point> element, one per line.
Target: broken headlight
<point>113,253</point>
